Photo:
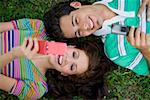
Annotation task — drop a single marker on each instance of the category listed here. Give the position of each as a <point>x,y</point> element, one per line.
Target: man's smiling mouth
<point>91,23</point>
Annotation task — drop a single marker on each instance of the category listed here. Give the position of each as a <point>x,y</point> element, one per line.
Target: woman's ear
<point>71,46</point>
<point>75,4</point>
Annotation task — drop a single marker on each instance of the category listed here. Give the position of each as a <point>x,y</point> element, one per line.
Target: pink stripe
<point>18,88</point>
<point>38,24</point>
<point>16,69</point>
<point>5,49</point>
<point>5,42</point>
<point>16,61</point>
<point>14,24</point>
<point>16,38</point>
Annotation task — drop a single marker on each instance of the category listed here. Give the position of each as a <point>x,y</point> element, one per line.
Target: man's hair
<point>88,85</point>
<point>52,18</point>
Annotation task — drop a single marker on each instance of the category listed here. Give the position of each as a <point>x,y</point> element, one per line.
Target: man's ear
<point>64,74</point>
<point>75,4</point>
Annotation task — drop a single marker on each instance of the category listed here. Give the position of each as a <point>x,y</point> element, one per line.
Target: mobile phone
<point>56,48</point>
<point>120,29</point>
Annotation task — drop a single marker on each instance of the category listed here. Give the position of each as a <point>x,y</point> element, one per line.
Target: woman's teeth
<point>60,60</point>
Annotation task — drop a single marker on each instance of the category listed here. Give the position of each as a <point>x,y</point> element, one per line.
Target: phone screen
<point>119,29</point>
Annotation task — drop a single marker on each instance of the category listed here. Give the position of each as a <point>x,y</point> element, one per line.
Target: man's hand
<point>143,6</point>
<point>139,39</point>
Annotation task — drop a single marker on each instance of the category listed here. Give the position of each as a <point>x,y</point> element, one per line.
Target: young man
<point>71,20</point>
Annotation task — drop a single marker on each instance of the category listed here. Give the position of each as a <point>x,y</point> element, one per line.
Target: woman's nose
<point>68,60</point>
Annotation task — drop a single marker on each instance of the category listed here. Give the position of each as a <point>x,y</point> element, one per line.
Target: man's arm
<point>6,26</point>
<point>141,41</point>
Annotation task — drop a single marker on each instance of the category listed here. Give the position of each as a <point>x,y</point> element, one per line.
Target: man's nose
<point>84,27</point>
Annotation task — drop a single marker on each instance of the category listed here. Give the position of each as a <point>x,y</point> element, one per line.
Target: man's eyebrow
<point>72,20</point>
<point>75,33</point>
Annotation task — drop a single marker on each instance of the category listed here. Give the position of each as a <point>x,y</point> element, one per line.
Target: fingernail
<point>148,19</point>
<point>139,15</point>
<point>132,27</point>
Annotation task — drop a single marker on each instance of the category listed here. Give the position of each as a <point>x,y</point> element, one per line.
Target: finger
<point>23,46</point>
<point>36,45</point>
<point>148,12</point>
<point>30,44</point>
<point>148,40</point>
<point>143,39</point>
<point>131,38</point>
<point>137,37</point>
<point>142,7</point>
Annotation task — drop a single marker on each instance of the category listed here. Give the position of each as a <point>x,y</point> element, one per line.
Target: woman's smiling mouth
<point>60,60</point>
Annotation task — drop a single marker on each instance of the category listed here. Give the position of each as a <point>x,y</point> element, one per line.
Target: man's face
<point>81,22</point>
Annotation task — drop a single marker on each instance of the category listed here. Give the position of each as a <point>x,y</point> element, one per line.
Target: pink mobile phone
<point>56,48</point>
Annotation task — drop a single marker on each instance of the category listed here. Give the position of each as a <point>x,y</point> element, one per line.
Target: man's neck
<point>105,12</point>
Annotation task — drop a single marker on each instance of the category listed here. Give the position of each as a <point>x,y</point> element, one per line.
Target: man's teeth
<point>60,60</point>
<point>91,24</point>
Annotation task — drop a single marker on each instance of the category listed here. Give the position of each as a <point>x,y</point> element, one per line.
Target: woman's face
<point>74,61</point>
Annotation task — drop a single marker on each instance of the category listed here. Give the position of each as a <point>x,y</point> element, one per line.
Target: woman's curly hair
<point>88,85</point>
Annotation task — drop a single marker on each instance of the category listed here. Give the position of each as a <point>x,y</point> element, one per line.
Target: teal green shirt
<point>117,48</point>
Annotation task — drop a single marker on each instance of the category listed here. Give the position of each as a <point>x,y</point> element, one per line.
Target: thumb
<point>142,7</point>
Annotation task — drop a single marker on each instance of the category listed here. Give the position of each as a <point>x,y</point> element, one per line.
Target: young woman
<point>71,19</point>
<point>80,70</point>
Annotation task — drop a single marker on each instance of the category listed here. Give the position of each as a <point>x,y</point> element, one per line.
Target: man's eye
<point>76,21</point>
<point>77,33</point>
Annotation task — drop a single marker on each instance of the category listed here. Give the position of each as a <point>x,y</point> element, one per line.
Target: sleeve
<point>122,53</point>
<point>28,24</point>
<point>138,65</point>
<point>29,89</point>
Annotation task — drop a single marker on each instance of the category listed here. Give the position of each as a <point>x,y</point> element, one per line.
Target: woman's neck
<point>42,62</point>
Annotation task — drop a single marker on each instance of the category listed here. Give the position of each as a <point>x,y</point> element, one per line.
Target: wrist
<point>16,53</point>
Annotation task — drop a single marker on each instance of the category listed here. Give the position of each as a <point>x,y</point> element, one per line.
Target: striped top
<point>30,81</point>
<point>117,47</point>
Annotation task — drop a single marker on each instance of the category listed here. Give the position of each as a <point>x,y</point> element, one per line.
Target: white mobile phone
<point>120,29</point>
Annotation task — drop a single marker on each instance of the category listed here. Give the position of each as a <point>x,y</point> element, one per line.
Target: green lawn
<point>122,83</point>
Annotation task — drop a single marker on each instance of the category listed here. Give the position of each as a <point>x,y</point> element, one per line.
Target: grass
<point>122,83</point>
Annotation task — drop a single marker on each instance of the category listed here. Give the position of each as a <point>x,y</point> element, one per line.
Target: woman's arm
<point>8,57</point>
<point>23,88</point>
<point>6,83</point>
<point>25,50</point>
<point>6,26</point>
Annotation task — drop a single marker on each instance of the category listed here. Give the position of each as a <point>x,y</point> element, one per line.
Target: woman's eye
<point>72,67</point>
<point>75,54</point>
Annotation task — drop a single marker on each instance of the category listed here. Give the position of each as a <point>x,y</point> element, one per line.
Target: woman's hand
<point>30,47</point>
<point>143,6</point>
